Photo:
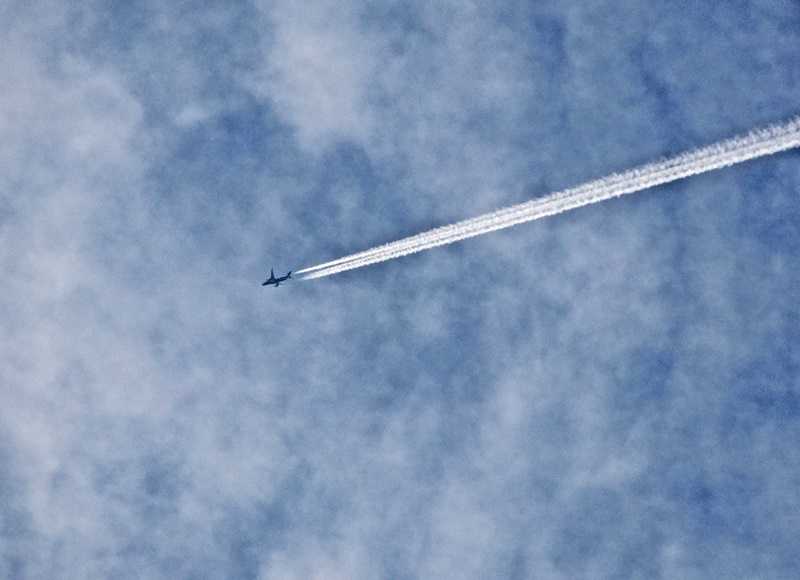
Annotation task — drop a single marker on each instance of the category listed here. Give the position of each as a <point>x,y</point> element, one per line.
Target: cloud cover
<point>620,399</point>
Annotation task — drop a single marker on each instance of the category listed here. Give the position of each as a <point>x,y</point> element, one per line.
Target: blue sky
<point>612,392</point>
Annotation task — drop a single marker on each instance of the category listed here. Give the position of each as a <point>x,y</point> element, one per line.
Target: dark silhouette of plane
<point>272,280</point>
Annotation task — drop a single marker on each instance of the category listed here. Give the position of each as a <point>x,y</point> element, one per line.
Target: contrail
<point>758,143</point>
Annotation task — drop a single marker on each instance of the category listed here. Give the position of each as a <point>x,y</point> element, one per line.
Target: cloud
<point>317,71</point>
<point>619,401</point>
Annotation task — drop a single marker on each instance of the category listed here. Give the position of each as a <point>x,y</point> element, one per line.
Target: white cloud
<point>579,412</point>
<point>318,68</point>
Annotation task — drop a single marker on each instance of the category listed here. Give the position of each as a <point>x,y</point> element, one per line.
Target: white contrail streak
<point>755,144</point>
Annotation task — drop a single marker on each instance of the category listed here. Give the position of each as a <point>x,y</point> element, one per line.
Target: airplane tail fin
<point>289,275</point>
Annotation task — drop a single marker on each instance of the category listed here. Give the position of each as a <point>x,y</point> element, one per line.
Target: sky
<point>612,392</point>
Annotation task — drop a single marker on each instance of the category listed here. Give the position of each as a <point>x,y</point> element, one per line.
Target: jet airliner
<point>273,281</point>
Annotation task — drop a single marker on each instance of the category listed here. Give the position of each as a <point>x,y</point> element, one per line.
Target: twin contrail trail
<point>755,144</point>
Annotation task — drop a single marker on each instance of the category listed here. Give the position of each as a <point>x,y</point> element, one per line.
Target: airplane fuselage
<point>273,281</point>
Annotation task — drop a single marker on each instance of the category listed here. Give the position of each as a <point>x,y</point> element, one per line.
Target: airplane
<point>272,280</point>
